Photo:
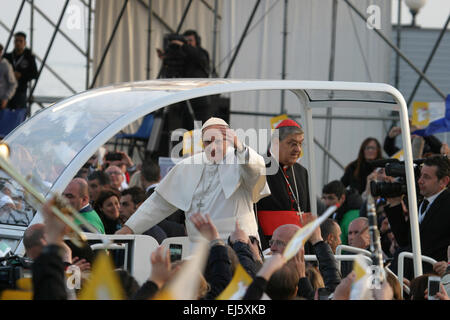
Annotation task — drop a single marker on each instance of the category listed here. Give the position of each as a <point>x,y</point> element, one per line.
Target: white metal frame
<point>401,262</point>
<point>343,247</point>
<point>141,248</point>
<point>183,89</point>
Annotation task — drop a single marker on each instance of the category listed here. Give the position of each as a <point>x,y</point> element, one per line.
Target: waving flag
<point>361,284</point>
<point>434,114</point>
<point>104,283</point>
<point>302,235</point>
<point>237,288</point>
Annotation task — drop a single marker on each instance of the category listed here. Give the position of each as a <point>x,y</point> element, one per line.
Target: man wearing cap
<point>223,181</point>
<point>287,180</point>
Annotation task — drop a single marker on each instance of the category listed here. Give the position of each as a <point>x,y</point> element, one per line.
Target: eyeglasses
<point>277,243</point>
<point>330,197</point>
<point>370,148</point>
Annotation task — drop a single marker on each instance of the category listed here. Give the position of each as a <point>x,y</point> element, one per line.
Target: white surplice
<point>226,191</point>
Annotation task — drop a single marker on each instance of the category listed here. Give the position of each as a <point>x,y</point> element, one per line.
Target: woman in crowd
<point>356,172</point>
<point>107,207</point>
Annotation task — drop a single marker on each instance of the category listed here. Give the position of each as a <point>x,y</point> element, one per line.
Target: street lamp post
<point>414,7</point>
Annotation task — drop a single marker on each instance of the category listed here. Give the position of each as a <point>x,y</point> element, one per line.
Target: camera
<point>174,61</point>
<point>113,156</point>
<point>15,268</point>
<point>167,41</point>
<point>393,168</point>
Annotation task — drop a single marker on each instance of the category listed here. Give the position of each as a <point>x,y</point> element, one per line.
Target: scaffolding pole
<point>397,56</point>
<point>47,52</point>
<point>160,20</point>
<point>149,37</point>
<point>284,53</point>
<point>31,24</point>
<point>430,58</point>
<point>398,51</point>
<point>244,34</point>
<point>57,76</point>
<point>108,45</point>
<point>214,49</point>
<point>329,121</point>
<point>59,30</point>
<point>183,17</point>
<point>14,26</point>
<point>88,44</point>
<point>46,66</point>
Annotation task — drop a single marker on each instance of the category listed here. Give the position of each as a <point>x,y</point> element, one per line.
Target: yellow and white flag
<point>425,112</point>
<point>302,235</point>
<point>192,142</point>
<point>185,284</point>
<point>24,291</point>
<point>104,283</point>
<point>237,288</point>
<point>361,284</point>
<point>276,120</point>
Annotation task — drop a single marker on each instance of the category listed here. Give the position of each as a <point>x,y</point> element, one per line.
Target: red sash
<point>270,220</point>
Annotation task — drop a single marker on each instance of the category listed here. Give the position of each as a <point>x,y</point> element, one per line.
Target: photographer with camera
<point>183,57</point>
<point>434,218</point>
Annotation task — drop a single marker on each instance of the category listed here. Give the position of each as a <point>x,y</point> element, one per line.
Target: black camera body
<point>174,61</point>
<point>167,41</point>
<point>115,156</point>
<point>15,268</point>
<point>393,168</point>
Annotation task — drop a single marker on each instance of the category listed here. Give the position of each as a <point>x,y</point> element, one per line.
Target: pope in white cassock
<point>223,181</point>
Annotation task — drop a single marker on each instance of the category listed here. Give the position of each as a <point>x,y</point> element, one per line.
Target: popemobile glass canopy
<point>55,143</point>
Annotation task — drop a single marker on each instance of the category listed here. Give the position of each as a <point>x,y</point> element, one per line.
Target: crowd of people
<point>249,211</point>
<point>170,207</point>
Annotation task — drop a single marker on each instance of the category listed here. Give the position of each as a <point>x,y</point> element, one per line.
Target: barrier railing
<point>401,259</point>
<point>338,257</point>
<point>351,249</point>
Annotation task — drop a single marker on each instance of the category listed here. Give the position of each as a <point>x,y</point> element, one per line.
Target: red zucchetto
<point>288,123</point>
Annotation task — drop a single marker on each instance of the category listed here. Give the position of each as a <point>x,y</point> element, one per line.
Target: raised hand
<point>205,226</point>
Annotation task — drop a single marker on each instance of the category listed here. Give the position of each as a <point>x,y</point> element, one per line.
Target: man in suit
<point>434,216</point>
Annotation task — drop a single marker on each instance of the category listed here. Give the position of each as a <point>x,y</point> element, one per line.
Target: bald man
<point>327,263</point>
<point>281,237</point>
<point>34,240</point>
<point>358,237</point>
<point>77,194</point>
<point>358,233</point>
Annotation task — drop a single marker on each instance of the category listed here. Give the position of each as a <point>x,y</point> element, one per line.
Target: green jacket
<point>92,217</point>
<point>348,217</point>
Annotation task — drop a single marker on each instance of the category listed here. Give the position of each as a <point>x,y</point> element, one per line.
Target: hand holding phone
<point>324,294</point>
<point>433,287</point>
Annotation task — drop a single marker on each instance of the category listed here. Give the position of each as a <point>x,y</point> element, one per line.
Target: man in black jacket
<point>434,217</point>
<point>24,66</point>
<point>184,57</point>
